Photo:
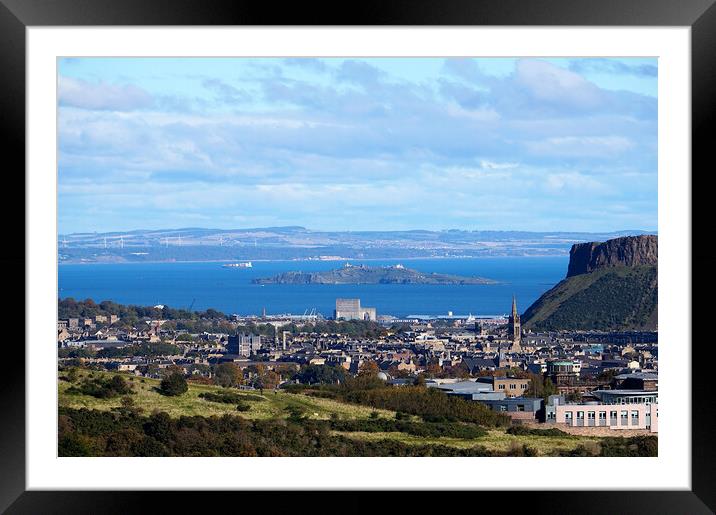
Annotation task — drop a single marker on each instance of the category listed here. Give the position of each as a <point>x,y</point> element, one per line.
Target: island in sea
<point>363,274</point>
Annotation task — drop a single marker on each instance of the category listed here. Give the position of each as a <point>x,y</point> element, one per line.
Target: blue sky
<point>358,144</point>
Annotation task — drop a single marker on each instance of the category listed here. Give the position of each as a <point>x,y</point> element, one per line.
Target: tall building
<point>244,344</point>
<point>513,327</point>
<point>350,309</point>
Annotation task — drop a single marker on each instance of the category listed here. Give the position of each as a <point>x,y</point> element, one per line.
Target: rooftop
<point>633,393</point>
<point>638,375</point>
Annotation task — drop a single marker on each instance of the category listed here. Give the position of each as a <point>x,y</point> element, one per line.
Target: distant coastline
<point>300,244</point>
<point>306,260</point>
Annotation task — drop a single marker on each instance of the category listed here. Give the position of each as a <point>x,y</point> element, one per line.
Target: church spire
<point>513,327</point>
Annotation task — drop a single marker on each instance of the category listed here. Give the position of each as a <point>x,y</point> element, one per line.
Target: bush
<point>616,446</point>
<point>525,431</point>
<point>296,413</point>
<point>517,449</point>
<point>646,445</point>
<point>424,429</point>
<point>173,385</point>
<point>429,403</point>
<point>74,445</point>
<point>297,388</point>
<point>230,397</point>
<point>242,406</point>
<point>102,388</point>
<point>149,447</point>
<point>72,375</point>
<point>159,427</point>
<point>127,407</point>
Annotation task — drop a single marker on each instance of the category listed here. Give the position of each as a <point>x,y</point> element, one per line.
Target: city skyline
<point>354,144</point>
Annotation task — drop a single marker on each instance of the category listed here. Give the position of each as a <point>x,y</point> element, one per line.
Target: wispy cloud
<point>102,95</point>
<point>226,92</point>
<point>613,66</point>
<point>597,147</point>
<point>490,165</point>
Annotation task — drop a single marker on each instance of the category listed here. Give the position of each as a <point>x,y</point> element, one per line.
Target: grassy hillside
<point>618,298</point>
<point>274,405</point>
<point>270,427</point>
<point>495,441</point>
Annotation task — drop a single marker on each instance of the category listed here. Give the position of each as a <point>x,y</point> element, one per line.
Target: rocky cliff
<point>610,286</point>
<point>626,251</point>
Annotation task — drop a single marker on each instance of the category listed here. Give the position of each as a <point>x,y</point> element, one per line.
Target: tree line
<point>127,432</point>
<point>210,320</point>
<point>88,308</point>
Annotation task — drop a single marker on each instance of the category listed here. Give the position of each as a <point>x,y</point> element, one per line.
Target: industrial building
<point>350,309</point>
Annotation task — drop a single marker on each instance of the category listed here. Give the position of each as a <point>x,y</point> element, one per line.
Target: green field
<point>278,405</point>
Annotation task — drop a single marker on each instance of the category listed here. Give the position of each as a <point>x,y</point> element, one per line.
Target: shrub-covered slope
<point>615,298</point>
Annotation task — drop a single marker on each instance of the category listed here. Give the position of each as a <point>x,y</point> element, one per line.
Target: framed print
<point>387,251</point>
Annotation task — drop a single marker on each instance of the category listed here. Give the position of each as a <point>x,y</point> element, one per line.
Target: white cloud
<point>102,95</point>
<point>557,182</point>
<point>548,82</point>
<point>491,165</point>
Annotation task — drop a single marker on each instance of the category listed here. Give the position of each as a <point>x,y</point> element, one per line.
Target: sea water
<point>210,285</point>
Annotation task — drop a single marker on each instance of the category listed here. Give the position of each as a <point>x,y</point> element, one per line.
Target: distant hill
<point>299,243</point>
<point>370,275</point>
<point>609,286</point>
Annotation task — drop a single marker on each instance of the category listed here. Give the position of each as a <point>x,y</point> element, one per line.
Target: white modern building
<point>350,309</point>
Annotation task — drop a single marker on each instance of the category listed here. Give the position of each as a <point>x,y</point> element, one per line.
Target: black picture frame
<point>699,15</point>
